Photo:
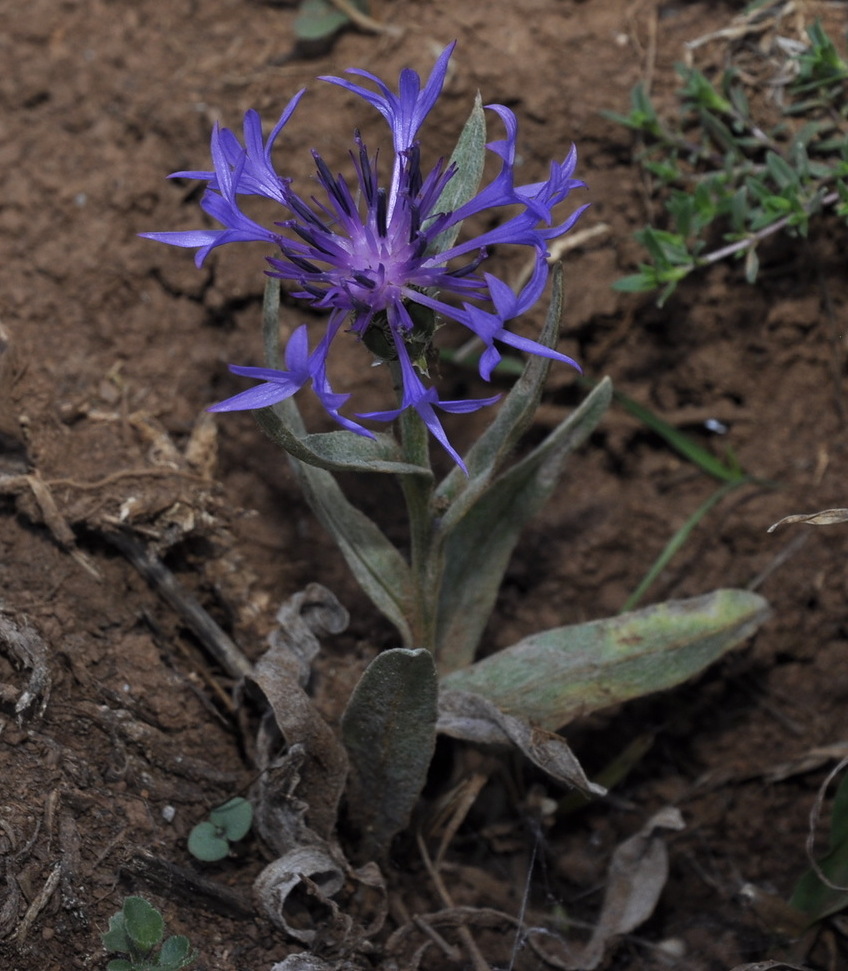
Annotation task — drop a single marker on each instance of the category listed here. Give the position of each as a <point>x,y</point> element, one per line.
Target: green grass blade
<point>677,541</point>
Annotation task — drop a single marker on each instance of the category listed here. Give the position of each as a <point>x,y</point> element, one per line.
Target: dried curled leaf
<point>307,865</point>
<point>297,894</point>
<point>827,517</point>
<point>303,769</point>
<point>473,718</point>
<point>637,874</point>
<point>278,677</point>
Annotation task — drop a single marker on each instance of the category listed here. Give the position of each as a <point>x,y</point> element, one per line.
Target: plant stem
<point>418,495</point>
<point>761,234</point>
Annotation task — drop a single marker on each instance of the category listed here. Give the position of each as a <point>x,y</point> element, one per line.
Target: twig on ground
<point>38,904</point>
<point>218,643</point>
<point>181,884</point>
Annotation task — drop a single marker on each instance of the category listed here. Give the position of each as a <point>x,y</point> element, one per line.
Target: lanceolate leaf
<point>554,676</point>
<point>379,568</point>
<point>389,731</point>
<point>514,416</point>
<point>477,547</point>
<point>469,157</point>
<point>339,451</point>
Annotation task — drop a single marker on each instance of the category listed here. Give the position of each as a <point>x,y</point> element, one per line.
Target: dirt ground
<point>112,346</point>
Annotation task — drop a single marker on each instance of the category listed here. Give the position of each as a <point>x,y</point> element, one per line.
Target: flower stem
<point>418,495</point>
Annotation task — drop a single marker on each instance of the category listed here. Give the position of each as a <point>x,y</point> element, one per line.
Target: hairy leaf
<point>477,547</point>
<point>389,731</point>
<point>556,675</point>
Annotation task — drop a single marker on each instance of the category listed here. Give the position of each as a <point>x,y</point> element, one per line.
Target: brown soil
<point>112,347</point>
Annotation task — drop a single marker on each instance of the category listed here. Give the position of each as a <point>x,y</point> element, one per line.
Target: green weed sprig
<point>137,931</point>
<point>210,840</point>
<point>722,173</point>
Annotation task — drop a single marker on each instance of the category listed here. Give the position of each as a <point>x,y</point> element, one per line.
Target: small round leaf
<point>206,843</point>
<point>175,953</point>
<point>115,939</point>
<point>234,818</point>
<point>143,923</point>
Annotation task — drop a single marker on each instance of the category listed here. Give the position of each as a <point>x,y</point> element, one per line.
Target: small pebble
<point>168,813</point>
<point>673,947</point>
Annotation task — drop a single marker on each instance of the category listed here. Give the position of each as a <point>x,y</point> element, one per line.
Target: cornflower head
<point>375,257</point>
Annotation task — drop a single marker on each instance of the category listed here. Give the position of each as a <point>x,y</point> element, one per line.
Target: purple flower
<point>370,255</point>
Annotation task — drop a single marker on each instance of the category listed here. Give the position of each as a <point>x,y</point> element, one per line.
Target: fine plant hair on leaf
<point>469,157</point>
<point>476,555</point>
<point>557,675</point>
<point>389,732</point>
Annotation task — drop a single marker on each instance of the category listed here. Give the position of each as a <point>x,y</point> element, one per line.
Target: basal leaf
<point>389,731</point>
<point>556,675</point>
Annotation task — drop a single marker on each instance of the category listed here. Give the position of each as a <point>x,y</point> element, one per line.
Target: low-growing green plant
<point>722,172</point>
<point>137,930</point>
<point>210,840</point>
<point>386,261</point>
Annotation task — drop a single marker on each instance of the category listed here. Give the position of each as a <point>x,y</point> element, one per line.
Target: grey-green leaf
<point>556,675</point>
<point>233,817</point>
<point>389,731</point>
<point>206,842</point>
<point>478,546</point>
<point>469,157</point>
<point>339,451</point>
<point>379,568</point>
